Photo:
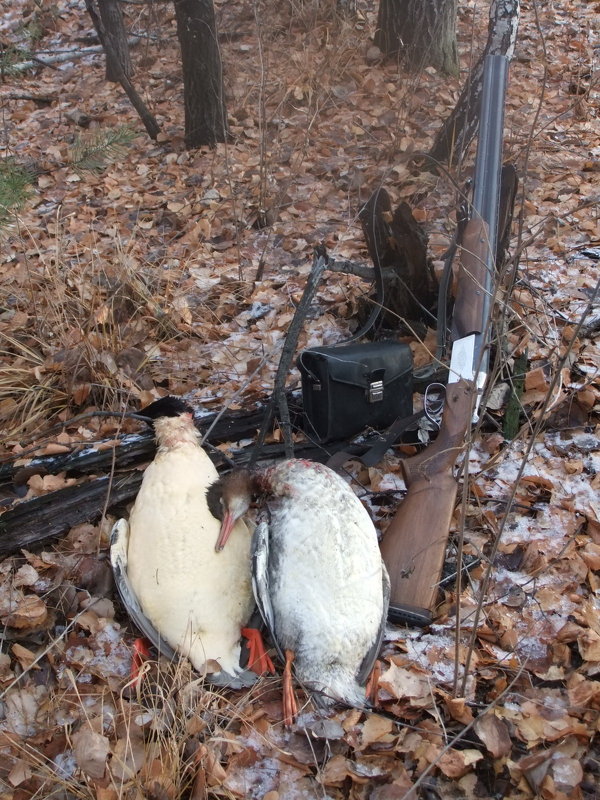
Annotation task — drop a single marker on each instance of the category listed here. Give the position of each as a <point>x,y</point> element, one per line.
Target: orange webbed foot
<point>373,684</point>
<point>290,706</point>
<point>258,658</point>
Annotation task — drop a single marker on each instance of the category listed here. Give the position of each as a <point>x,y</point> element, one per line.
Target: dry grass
<point>82,344</point>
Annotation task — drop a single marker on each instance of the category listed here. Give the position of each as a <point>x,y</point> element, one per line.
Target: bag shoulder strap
<point>375,310</point>
<point>376,452</point>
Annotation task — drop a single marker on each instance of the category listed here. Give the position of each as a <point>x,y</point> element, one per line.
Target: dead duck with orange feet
<point>319,579</point>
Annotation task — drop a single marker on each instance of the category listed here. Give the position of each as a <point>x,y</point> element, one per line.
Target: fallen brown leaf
<point>494,733</point>
<point>335,771</point>
<point>20,773</point>
<point>535,768</point>
<point>456,763</point>
<point>589,645</point>
<point>376,728</point>
<point>31,612</point>
<point>128,756</point>
<point>24,656</point>
<point>91,751</point>
<point>458,709</point>
<point>403,683</point>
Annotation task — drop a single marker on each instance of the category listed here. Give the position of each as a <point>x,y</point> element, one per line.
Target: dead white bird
<point>319,579</point>
<point>182,594</point>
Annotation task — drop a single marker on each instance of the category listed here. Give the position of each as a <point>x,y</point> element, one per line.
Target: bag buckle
<point>375,391</point>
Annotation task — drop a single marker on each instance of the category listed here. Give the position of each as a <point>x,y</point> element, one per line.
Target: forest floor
<point>149,276</point>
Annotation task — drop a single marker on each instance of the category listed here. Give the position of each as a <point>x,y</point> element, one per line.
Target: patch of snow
<point>531,647</point>
<point>592,463</point>
<point>421,651</point>
<point>394,634</point>
<point>255,781</point>
<point>517,530</point>
<point>510,706</point>
<point>65,764</point>
<point>391,482</point>
<point>555,701</point>
<point>369,769</point>
<point>580,489</point>
<point>112,656</point>
<point>258,310</point>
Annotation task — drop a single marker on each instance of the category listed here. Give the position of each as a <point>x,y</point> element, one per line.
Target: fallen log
<point>126,451</point>
<point>38,521</point>
<point>47,517</point>
<point>49,59</point>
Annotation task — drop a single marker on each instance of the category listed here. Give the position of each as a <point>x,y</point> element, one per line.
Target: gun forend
<point>476,261</point>
<point>414,544</point>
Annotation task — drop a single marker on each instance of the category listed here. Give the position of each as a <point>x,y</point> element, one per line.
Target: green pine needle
<point>15,188</point>
<point>94,150</point>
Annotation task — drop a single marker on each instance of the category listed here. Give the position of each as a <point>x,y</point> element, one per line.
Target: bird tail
<point>336,685</point>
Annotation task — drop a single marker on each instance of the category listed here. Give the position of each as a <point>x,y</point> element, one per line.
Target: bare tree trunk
<point>205,110</point>
<point>114,29</point>
<point>421,32</point>
<point>458,131</point>
<point>145,115</point>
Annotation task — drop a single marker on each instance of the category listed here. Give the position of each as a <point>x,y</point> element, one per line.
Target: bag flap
<point>358,364</point>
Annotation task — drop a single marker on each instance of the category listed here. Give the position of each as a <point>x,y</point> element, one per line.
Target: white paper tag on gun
<point>462,364</point>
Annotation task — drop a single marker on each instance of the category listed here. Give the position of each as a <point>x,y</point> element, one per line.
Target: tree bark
<point>397,245</point>
<point>458,131</point>
<point>114,29</point>
<point>150,123</point>
<point>205,111</point>
<point>421,32</point>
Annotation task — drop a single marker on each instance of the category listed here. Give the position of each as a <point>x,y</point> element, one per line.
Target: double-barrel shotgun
<point>414,544</point>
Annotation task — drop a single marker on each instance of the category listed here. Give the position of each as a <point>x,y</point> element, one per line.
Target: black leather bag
<point>348,388</point>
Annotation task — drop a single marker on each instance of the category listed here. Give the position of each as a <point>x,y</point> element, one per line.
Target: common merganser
<point>183,594</point>
<point>318,577</point>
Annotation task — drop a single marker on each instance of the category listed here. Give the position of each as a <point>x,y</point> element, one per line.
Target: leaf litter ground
<point>141,279</point>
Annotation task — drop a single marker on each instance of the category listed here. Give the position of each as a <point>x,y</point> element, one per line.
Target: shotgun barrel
<point>477,270</point>
<point>414,543</point>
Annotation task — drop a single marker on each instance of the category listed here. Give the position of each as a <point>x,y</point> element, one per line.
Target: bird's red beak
<point>226,527</point>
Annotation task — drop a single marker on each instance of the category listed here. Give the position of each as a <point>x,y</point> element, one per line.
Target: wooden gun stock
<point>414,544</point>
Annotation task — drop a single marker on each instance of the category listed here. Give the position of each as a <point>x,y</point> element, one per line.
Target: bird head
<point>169,406</point>
<point>228,499</point>
<point>172,420</point>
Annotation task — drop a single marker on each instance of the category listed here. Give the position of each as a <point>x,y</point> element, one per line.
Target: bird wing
<point>371,656</point>
<point>119,541</point>
<point>260,578</point>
